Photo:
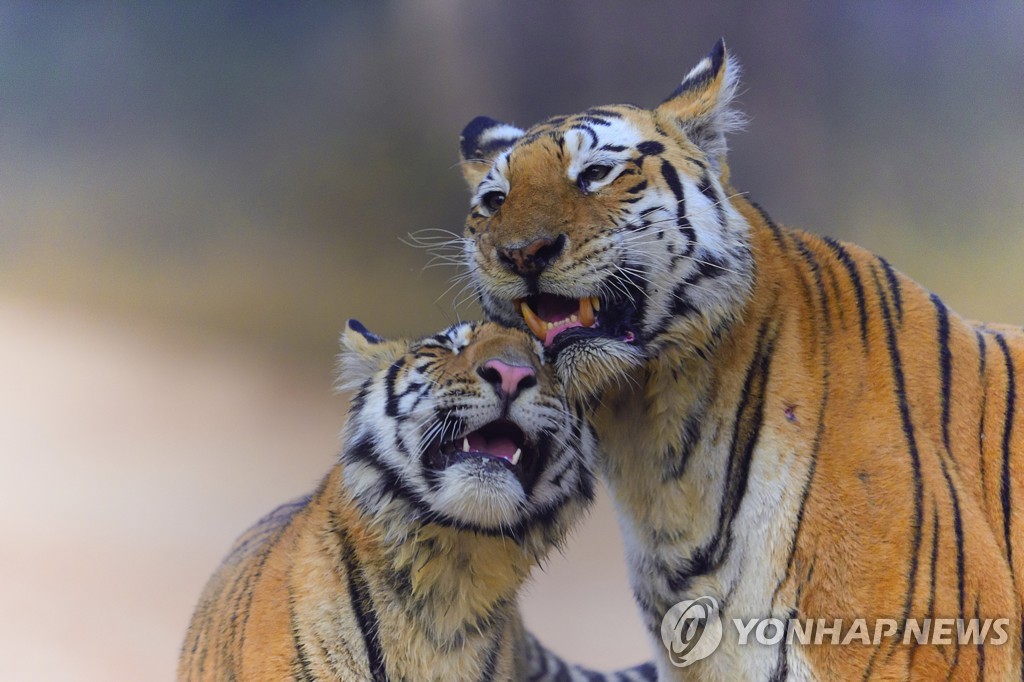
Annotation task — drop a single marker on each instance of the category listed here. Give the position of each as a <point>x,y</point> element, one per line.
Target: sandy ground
<point>130,458</point>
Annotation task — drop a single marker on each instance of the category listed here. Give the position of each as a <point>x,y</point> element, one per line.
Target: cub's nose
<point>534,258</point>
<point>508,380</point>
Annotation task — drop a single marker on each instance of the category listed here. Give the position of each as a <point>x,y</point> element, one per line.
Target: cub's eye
<point>594,173</point>
<point>493,200</point>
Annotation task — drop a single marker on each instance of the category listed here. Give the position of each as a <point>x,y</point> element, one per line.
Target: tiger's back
<point>238,589</point>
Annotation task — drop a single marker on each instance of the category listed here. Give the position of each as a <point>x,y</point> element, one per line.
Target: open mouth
<point>500,443</point>
<point>548,315</point>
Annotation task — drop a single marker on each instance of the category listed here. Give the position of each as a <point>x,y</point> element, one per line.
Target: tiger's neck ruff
<point>788,425</point>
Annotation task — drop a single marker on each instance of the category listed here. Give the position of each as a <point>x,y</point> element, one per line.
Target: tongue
<point>495,447</point>
<point>555,331</point>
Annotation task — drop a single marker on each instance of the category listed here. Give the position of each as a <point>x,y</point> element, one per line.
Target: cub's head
<point>467,428</point>
<point>611,233</point>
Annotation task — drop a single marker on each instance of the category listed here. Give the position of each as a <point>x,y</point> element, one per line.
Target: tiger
<point>788,425</point>
<point>462,467</point>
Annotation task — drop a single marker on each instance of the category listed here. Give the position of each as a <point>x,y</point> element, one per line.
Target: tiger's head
<point>610,234</point>
<point>467,429</point>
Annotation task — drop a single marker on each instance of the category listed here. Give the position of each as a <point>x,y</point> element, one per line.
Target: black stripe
<point>492,147</point>
<point>930,610</point>
<point>650,148</point>
<point>676,460</point>
<point>607,113</point>
<point>958,530</point>
<point>365,613</point>
<point>1005,493</point>
<point>589,131</point>
<point>745,433</point>
<point>706,188</point>
<point>945,364</point>
<point>637,188</point>
<point>668,171</point>
<point>894,288</point>
<point>812,263</point>
<point>981,642</point>
<point>858,289</point>
<point>391,408</point>
<point>899,387</point>
<point>492,660</point>
<point>301,669</point>
<point>983,376</point>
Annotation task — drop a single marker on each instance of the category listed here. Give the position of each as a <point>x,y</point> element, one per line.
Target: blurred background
<point>195,196</point>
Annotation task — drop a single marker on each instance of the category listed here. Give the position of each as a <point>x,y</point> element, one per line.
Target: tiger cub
<point>791,429</point>
<point>462,467</point>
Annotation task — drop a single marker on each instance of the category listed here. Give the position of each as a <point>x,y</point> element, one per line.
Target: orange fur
<point>379,574</point>
<point>796,429</point>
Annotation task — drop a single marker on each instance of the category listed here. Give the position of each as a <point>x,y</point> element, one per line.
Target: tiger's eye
<point>493,200</point>
<point>595,173</point>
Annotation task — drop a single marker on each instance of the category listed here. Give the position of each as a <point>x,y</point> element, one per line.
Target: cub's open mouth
<point>500,439</point>
<point>500,442</point>
<point>548,315</point>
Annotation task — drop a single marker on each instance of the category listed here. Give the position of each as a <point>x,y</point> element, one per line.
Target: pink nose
<point>508,380</point>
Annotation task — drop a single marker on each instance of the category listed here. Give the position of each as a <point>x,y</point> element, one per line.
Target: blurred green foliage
<point>252,167</point>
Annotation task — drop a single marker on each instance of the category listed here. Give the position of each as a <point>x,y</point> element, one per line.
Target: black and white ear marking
<point>704,72</point>
<point>701,107</point>
<point>359,328</point>
<point>363,354</point>
<point>482,140</point>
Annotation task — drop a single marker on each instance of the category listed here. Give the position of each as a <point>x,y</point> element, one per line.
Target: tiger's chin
<point>588,361</point>
<point>481,495</point>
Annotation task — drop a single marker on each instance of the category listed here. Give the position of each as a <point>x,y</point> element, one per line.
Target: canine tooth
<point>587,311</point>
<point>535,324</point>
<point>515,457</point>
<point>596,302</point>
<point>465,444</point>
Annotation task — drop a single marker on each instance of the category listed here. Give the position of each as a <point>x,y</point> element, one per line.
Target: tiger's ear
<point>701,108</point>
<point>481,141</point>
<point>363,354</point>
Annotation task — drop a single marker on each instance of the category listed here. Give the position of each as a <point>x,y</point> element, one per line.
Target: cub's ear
<point>701,106</point>
<point>363,354</point>
<point>481,141</point>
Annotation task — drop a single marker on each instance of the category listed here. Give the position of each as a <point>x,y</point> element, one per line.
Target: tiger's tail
<point>543,665</point>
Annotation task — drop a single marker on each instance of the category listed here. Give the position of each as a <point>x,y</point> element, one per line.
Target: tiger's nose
<point>508,380</point>
<point>534,258</point>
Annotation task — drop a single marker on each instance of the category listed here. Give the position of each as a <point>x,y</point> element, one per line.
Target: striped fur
<point>406,562</point>
<point>795,428</point>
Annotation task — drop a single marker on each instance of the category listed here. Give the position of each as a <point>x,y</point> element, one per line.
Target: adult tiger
<point>462,467</point>
<point>789,425</point>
